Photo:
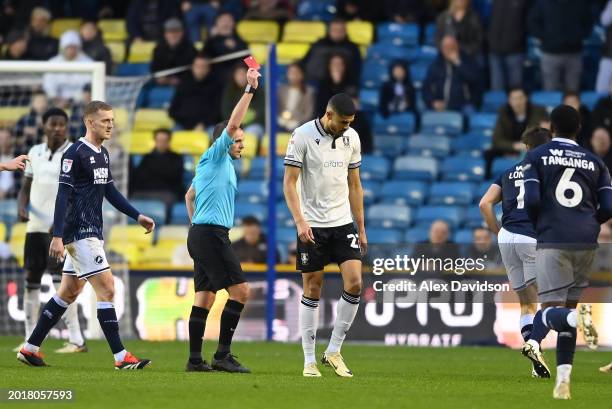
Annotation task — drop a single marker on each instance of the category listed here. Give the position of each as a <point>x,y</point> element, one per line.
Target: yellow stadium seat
<point>131,234</point>
<point>189,142</point>
<point>172,233</point>
<point>137,143</point>
<point>250,145</point>
<point>113,29</point>
<point>282,140</point>
<point>10,115</point>
<point>159,254</point>
<point>2,232</point>
<point>303,31</point>
<point>258,31</point>
<point>117,50</point>
<point>360,32</point>
<point>17,250</point>
<point>286,53</point>
<point>121,118</point>
<point>141,51</point>
<point>148,119</point>
<point>18,231</point>
<point>129,251</point>
<point>259,51</point>
<point>60,25</point>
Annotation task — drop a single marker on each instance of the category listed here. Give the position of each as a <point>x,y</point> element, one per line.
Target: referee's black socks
<point>229,322</point>
<point>197,325</point>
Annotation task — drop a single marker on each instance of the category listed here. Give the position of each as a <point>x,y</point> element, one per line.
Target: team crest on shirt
<point>346,141</point>
<point>304,257</point>
<point>99,260</point>
<point>66,165</point>
<point>92,160</point>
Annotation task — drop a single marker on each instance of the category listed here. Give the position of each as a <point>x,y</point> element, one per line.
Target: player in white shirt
<point>325,155</point>
<point>38,191</point>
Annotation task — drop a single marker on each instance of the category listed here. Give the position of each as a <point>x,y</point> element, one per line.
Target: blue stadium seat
<point>482,189</point>
<point>371,191</point>
<point>418,72</point>
<point>429,37</point>
<point>473,218</point>
<point>442,123</point>
<point>386,52</point>
<point>471,144</point>
<point>160,97</point>
<point>398,34</point>
<point>253,191</point>
<point>384,236</point>
<point>482,122</point>
<point>244,209</point>
<point>415,168</point>
<point>589,99</point>
<point>416,235</point>
<point>396,124</point>
<point>373,74</point>
<point>493,100</point>
<point>549,99</point>
<point>374,167</point>
<point>287,235</point>
<point>390,145</point>
<point>155,209</point>
<point>179,214</point>
<point>315,10</point>
<point>451,193</point>
<point>464,236</point>
<point>283,215</point>
<point>425,215</point>
<point>429,145</point>
<point>257,169</point>
<point>389,216</point>
<point>424,54</point>
<point>404,192</point>
<point>8,211</point>
<point>501,164</point>
<point>368,99</point>
<point>132,70</point>
<point>463,169</point>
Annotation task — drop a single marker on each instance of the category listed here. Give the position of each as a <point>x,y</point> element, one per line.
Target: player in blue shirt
<point>516,237</point>
<point>567,195</point>
<point>210,204</point>
<point>85,180</point>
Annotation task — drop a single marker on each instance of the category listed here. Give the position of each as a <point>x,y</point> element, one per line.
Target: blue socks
<point>110,326</point>
<point>51,313</point>
<point>566,346</point>
<point>539,330</point>
<point>559,318</point>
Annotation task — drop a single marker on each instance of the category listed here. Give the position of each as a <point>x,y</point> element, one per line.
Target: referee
<point>210,204</point>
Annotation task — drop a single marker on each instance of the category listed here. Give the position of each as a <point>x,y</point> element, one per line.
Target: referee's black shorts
<point>36,256</point>
<point>215,263</point>
<point>332,244</point>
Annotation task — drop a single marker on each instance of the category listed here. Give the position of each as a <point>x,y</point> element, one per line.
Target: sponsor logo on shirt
<point>100,175</point>
<point>333,164</point>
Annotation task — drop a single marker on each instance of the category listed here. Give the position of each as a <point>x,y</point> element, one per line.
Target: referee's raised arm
<point>242,106</point>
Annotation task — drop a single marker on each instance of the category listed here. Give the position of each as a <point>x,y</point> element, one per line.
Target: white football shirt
<point>44,169</point>
<point>324,162</point>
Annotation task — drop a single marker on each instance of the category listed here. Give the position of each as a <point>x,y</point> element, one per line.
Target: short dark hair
<point>535,136</point>
<point>342,104</point>
<point>54,112</point>
<point>95,106</point>
<point>565,120</point>
<point>162,130</point>
<point>219,128</point>
<point>251,220</point>
<point>513,89</point>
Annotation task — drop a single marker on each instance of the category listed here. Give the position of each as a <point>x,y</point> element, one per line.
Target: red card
<point>252,63</point>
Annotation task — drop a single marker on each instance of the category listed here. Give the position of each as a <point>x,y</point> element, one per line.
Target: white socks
<point>572,320</point>
<point>563,373</point>
<point>346,311</point>
<point>526,319</point>
<point>31,307</point>
<point>309,317</point>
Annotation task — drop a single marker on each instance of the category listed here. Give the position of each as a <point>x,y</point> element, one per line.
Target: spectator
<point>512,119</point>
<point>602,113</point>
<point>600,145</point>
<point>173,51</point>
<point>252,247</point>
<point>453,80</point>
<point>160,173</point>
<point>359,10</point>
<point>41,46</point>
<point>76,125</point>
<point>603,254</point>
<point>507,40</point>
<point>572,99</point>
<point>224,40</point>
<point>93,44</point>
<point>199,13</point>
<point>254,120</point>
<point>336,42</point>
<point>28,129</point>
<point>397,95</point>
<point>483,248</point>
<point>145,18</point>
<point>561,26</point>
<point>66,87</point>
<point>403,11</point>
<point>337,80</point>
<point>17,45</point>
<point>195,104</point>
<point>268,10</point>
<point>295,99</point>
<point>362,126</point>
<point>7,181</point>
<point>439,245</point>
<point>604,76</point>
<point>461,22</point>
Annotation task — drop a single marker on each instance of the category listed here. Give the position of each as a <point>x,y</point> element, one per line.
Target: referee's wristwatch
<point>249,89</point>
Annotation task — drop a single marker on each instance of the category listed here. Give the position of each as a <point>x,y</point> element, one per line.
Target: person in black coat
<point>336,81</point>
<point>145,18</point>
<point>92,44</point>
<point>41,46</point>
<point>173,51</point>
<point>197,101</point>
<point>397,95</point>
<point>224,40</point>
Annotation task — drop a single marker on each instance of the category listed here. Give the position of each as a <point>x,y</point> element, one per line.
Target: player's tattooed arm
<point>356,202</point>
<point>23,199</point>
<point>490,199</point>
<point>190,202</point>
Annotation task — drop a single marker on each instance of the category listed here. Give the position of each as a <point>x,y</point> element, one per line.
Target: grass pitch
<point>385,377</point>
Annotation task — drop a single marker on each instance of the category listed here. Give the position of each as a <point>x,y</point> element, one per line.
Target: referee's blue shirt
<point>215,185</point>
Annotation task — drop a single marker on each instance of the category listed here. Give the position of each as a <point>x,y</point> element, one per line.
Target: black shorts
<point>332,244</point>
<point>214,261</point>
<point>36,256</point>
